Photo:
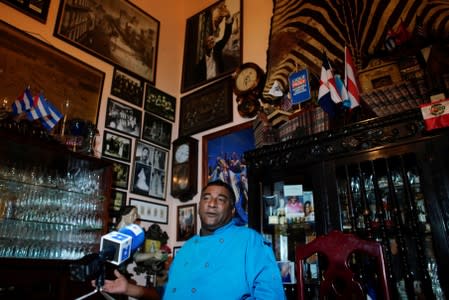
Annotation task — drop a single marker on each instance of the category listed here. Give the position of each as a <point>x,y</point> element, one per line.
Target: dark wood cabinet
<point>53,211</point>
<point>385,179</point>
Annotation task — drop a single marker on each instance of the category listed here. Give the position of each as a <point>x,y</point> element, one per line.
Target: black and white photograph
<point>116,146</point>
<point>156,130</point>
<point>213,43</point>
<point>123,118</point>
<point>118,201</point>
<point>150,211</point>
<point>116,31</point>
<point>127,87</point>
<point>149,174</point>
<point>120,174</point>
<point>160,103</point>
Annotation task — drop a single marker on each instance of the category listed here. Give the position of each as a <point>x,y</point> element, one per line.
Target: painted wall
<point>172,15</point>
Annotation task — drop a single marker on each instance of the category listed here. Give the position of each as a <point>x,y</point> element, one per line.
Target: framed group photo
<point>160,103</point>
<point>150,170</point>
<point>223,159</point>
<point>123,118</point>
<point>116,31</point>
<point>185,222</point>
<point>156,130</point>
<point>116,146</point>
<point>214,33</point>
<point>150,211</point>
<point>206,108</point>
<point>127,87</point>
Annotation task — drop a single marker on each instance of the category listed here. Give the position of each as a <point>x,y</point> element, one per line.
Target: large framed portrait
<point>213,43</point>
<point>120,174</point>
<point>156,130</point>
<point>185,222</point>
<point>123,118</point>
<point>207,108</point>
<point>223,159</point>
<point>60,77</point>
<point>127,87</point>
<point>150,211</point>
<point>150,170</point>
<point>116,146</point>
<point>37,9</point>
<point>160,103</point>
<point>116,31</point>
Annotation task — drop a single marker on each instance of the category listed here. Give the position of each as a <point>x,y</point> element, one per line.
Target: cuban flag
<point>328,96</point>
<point>39,110</point>
<point>23,103</point>
<point>52,118</point>
<point>351,81</point>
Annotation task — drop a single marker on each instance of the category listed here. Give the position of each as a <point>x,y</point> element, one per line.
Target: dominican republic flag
<point>23,103</point>
<point>436,114</point>
<point>328,96</point>
<point>39,110</point>
<point>52,118</point>
<point>351,81</point>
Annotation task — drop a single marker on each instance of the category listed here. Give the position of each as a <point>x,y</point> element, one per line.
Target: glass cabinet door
<point>382,200</point>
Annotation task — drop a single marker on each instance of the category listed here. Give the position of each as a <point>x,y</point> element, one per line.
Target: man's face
<point>215,208</point>
<point>210,42</point>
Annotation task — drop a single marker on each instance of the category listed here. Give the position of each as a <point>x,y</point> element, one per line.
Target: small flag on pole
<point>23,103</point>
<point>328,96</point>
<point>52,118</point>
<point>351,80</point>
<point>39,110</point>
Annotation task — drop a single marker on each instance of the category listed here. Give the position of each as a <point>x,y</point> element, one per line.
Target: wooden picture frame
<point>150,211</point>
<point>116,146</point>
<point>227,38</point>
<point>61,76</point>
<point>149,171</point>
<point>127,87</point>
<point>123,118</point>
<point>207,108</point>
<point>160,103</point>
<point>118,202</point>
<point>110,27</point>
<point>37,9</point>
<point>156,130</point>
<point>120,174</point>
<point>223,153</point>
<point>185,222</point>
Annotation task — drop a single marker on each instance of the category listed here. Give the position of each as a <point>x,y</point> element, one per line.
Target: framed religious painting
<point>213,43</point>
<point>118,32</point>
<point>160,103</point>
<point>223,159</point>
<point>150,211</point>
<point>149,170</point>
<point>206,108</point>
<point>156,130</point>
<point>185,222</point>
<point>127,87</point>
<point>123,118</point>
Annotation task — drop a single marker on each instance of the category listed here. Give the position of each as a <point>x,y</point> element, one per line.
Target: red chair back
<point>338,281</point>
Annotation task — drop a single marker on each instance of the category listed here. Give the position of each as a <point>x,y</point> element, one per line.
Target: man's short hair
<point>223,184</point>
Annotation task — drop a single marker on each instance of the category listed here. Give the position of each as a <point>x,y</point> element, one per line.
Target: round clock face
<point>247,79</point>
<point>182,153</point>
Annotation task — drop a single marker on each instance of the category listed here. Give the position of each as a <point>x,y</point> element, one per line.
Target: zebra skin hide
<point>302,29</point>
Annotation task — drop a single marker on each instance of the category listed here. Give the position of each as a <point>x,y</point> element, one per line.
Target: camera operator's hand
<point>122,286</point>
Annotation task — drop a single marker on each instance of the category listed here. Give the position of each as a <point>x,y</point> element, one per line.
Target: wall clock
<point>248,79</point>
<point>184,168</point>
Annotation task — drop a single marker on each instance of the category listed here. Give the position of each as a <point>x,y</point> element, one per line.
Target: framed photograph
<point>160,103</point>
<point>116,31</point>
<point>120,175</point>
<point>156,130</point>
<point>123,118</point>
<point>150,211</point>
<point>118,201</point>
<point>185,222</point>
<point>175,250</point>
<point>287,269</point>
<point>213,43</point>
<point>127,87</point>
<point>37,9</point>
<point>207,108</point>
<point>116,146</point>
<point>61,76</point>
<point>150,170</point>
<point>223,158</point>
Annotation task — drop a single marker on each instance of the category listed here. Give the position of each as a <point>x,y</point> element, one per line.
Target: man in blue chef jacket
<point>224,261</point>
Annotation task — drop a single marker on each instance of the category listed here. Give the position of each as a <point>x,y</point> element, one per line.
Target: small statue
<point>128,216</point>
